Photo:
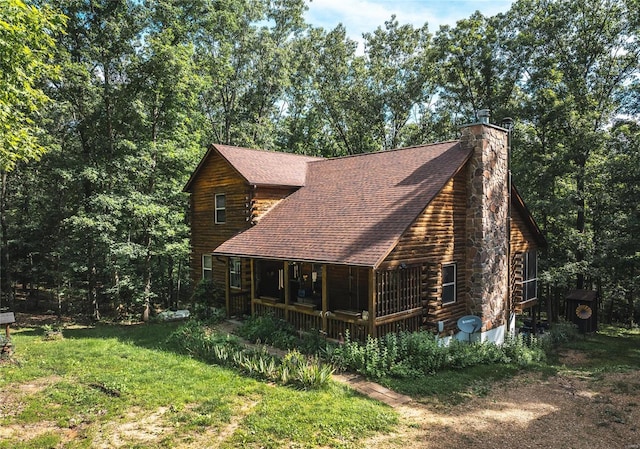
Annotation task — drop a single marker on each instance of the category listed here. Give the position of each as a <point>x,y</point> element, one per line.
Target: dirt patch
<point>573,358</point>
<point>565,411</point>
<point>138,430</point>
<point>12,397</point>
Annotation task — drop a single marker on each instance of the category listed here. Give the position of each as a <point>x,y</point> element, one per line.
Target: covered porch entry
<point>336,299</point>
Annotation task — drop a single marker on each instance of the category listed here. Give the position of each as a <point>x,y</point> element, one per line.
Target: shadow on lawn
<point>608,348</point>
<point>150,336</point>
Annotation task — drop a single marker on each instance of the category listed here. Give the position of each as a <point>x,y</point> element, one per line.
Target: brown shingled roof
<point>351,210</point>
<point>260,167</point>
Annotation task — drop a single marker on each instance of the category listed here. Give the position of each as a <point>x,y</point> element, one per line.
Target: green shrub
<point>269,330</point>
<point>207,299</point>
<point>524,350</point>
<point>562,332</point>
<point>410,354</point>
<point>200,341</point>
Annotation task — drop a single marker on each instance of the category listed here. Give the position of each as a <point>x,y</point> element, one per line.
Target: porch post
<point>324,299</point>
<point>227,292</point>
<point>253,287</point>
<point>372,302</point>
<point>287,292</point>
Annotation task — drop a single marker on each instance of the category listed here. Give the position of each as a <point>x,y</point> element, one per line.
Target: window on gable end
<point>220,208</point>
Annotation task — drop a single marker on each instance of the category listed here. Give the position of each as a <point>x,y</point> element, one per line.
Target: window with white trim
<point>449,276</point>
<point>235,272</point>
<point>207,267</point>
<point>529,276</point>
<point>220,208</point>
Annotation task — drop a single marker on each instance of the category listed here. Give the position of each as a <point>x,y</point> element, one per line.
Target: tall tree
<point>615,216</point>
<point>477,68</point>
<point>243,48</point>
<point>400,77</point>
<point>26,60</point>
<point>581,54</point>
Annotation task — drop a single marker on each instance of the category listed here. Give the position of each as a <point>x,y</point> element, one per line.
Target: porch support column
<point>227,292</point>
<point>372,302</point>
<point>252,293</point>
<point>287,290</point>
<point>325,299</point>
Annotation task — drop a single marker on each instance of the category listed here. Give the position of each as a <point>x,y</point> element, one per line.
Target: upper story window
<point>529,276</point>
<point>220,208</point>
<point>449,277</point>
<point>207,267</point>
<point>235,272</point>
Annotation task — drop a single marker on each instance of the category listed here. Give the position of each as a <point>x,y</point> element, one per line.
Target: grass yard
<point>124,386</point>
<point>119,386</point>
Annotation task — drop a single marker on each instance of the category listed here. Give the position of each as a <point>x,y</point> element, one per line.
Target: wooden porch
<point>334,299</point>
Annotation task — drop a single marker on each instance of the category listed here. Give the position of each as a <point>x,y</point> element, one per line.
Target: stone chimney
<point>486,224</point>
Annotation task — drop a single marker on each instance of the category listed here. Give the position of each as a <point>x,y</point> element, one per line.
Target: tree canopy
<point>26,54</point>
<point>125,96</point>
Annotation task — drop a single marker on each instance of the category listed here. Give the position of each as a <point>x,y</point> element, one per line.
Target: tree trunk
<point>5,272</point>
<point>147,283</point>
<point>580,218</point>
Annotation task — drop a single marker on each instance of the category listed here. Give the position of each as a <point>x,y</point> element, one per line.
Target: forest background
<point>106,107</point>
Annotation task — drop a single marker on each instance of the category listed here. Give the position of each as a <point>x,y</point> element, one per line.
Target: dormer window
<point>220,208</point>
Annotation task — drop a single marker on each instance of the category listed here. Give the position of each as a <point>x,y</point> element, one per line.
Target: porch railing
<point>239,303</point>
<point>338,324</point>
<point>398,290</point>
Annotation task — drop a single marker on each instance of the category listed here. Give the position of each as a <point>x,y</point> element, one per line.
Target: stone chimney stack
<point>486,223</point>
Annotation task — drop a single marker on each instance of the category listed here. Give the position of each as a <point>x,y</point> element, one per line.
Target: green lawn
<point>120,385</point>
<point>123,386</point>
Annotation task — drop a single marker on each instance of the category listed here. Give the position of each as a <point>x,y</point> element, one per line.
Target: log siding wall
<point>435,238</point>
<point>245,205</point>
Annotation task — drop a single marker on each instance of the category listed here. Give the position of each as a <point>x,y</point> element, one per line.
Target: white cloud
<point>362,16</point>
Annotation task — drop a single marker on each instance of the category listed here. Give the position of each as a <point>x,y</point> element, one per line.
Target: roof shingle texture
<point>351,210</point>
<point>267,167</point>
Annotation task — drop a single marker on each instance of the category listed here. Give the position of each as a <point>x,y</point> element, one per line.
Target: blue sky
<point>361,16</point>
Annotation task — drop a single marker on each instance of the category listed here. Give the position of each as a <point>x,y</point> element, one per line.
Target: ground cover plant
<point>405,355</point>
<point>127,386</point>
<point>200,340</point>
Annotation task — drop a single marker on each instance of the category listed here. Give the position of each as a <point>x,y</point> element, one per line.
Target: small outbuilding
<point>582,309</point>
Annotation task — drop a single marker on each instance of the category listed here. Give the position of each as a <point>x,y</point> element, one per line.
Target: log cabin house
<point>407,239</point>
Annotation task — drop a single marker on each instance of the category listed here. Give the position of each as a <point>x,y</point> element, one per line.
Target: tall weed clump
<point>201,342</point>
<point>410,354</point>
<point>562,332</point>
<point>269,330</point>
<point>398,355</point>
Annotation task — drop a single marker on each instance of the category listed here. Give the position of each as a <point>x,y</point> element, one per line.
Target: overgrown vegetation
<point>402,355</point>
<point>201,342</point>
<point>277,332</point>
<point>411,354</point>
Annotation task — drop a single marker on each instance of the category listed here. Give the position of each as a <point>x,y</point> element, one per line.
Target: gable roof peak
<point>260,167</point>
